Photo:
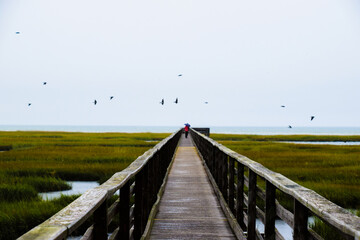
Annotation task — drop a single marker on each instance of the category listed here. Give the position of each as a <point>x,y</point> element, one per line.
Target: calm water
<point>168,129</point>
<point>78,187</point>
<point>322,143</point>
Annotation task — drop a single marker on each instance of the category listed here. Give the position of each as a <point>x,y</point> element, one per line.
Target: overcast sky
<point>245,58</point>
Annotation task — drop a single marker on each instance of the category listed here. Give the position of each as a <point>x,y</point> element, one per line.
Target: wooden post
<point>124,212</point>
<point>217,167</point>
<point>240,196</point>
<point>270,211</point>
<point>212,169</point>
<point>154,178</point>
<point>151,183</point>
<point>220,163</point>
<point>138,205</point>
<point>156,173</point>
<point>146,195</point>
<point>252,206</point>
<point>300,221</point>
<point>231,184</point>
<point>100,222</point>
<point>225,180</point>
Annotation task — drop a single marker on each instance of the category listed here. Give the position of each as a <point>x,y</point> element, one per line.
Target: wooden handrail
<point>306,201</point>
<point>148,170</point>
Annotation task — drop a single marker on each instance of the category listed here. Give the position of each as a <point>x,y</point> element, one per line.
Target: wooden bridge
<point>194,188</point>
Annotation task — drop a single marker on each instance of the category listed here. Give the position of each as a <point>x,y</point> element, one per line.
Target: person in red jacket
<point>186,128</point>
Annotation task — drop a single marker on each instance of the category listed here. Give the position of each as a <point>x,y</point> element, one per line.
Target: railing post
<point>138,205</point>
<point>216,166</point>
<point>100,222</point>
<point>231,184</point>
<point>252,206</point>
<point>146,208</point>
<point>270,211</point>
<point>300,221</point>
<point>157,178</point>
<point>224,177</point>
<point>220,166</point>
<point>240,196</point>
<point>213,166</point>
<point>153,181</point>
<point>124,212</point>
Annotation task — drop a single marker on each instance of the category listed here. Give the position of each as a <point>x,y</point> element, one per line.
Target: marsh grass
<point>304,138</point>
<point>325,230</point>
<point>331,170</point>
<point>43,161</point>
<point>18,217</point>
<point>72,156</point>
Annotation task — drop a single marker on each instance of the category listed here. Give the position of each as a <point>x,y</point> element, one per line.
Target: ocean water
<point>169,129</point>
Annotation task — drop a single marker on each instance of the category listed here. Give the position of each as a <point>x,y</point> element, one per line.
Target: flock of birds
<point>162,102</point>
<point>311,117</point>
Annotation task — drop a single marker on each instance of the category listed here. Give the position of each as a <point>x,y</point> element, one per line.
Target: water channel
<point>341,143</point>
<point>78,187</point>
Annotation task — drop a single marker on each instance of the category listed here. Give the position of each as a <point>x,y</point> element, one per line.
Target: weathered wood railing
<point>230,172</point>
<point>139,185</point>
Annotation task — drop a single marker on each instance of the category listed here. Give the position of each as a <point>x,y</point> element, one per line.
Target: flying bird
<point>176,101</point>
<point>162,102</point>
<point>95,102</point>
<point>206,102</point>
<point>282,106</point>
<point>312,118</point>
<point>17,32</point>
<point>179,75</point>
<point>290,126</point>
<point>44,83</point>
<point>29,104</point>
<point>111,97</point>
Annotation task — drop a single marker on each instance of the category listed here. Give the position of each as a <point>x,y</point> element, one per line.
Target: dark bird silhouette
<point>29,104</point>
<point>95,102</point>
<point>17,32</point>
<point>44,83</point>
<point>312,118</point>
<point>111,97</point>
<point>179,75</point>
<point>282,106</point>
<point>290,126</point>
<point>206,102</point>
<point>162,102</point>
<point>176,101</point>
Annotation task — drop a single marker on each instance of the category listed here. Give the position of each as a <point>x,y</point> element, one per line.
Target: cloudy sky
<point>245,58</point>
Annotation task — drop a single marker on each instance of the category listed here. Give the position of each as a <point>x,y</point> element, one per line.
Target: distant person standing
<point>186,129</point>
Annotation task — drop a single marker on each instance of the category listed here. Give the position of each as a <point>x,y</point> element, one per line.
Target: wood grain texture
<point>189,208</point>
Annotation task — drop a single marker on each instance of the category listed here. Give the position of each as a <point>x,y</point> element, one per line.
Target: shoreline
<point>341,131</point>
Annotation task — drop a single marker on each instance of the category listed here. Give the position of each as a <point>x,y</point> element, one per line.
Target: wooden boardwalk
<point>189,208</point>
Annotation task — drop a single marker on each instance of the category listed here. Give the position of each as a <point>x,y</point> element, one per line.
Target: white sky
<point>246,58</point>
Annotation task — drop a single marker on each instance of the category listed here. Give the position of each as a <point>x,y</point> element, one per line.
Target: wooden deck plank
<point>189,208</point>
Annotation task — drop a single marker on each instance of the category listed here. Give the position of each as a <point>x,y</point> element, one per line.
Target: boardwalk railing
<point>237,177</point>
<point>139,185</point>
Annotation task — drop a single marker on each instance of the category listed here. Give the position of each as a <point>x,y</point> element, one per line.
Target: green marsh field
<point>333,171</point>
<point>33,162</point>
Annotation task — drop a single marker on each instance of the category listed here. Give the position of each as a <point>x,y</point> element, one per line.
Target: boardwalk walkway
<point>189,208</point>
